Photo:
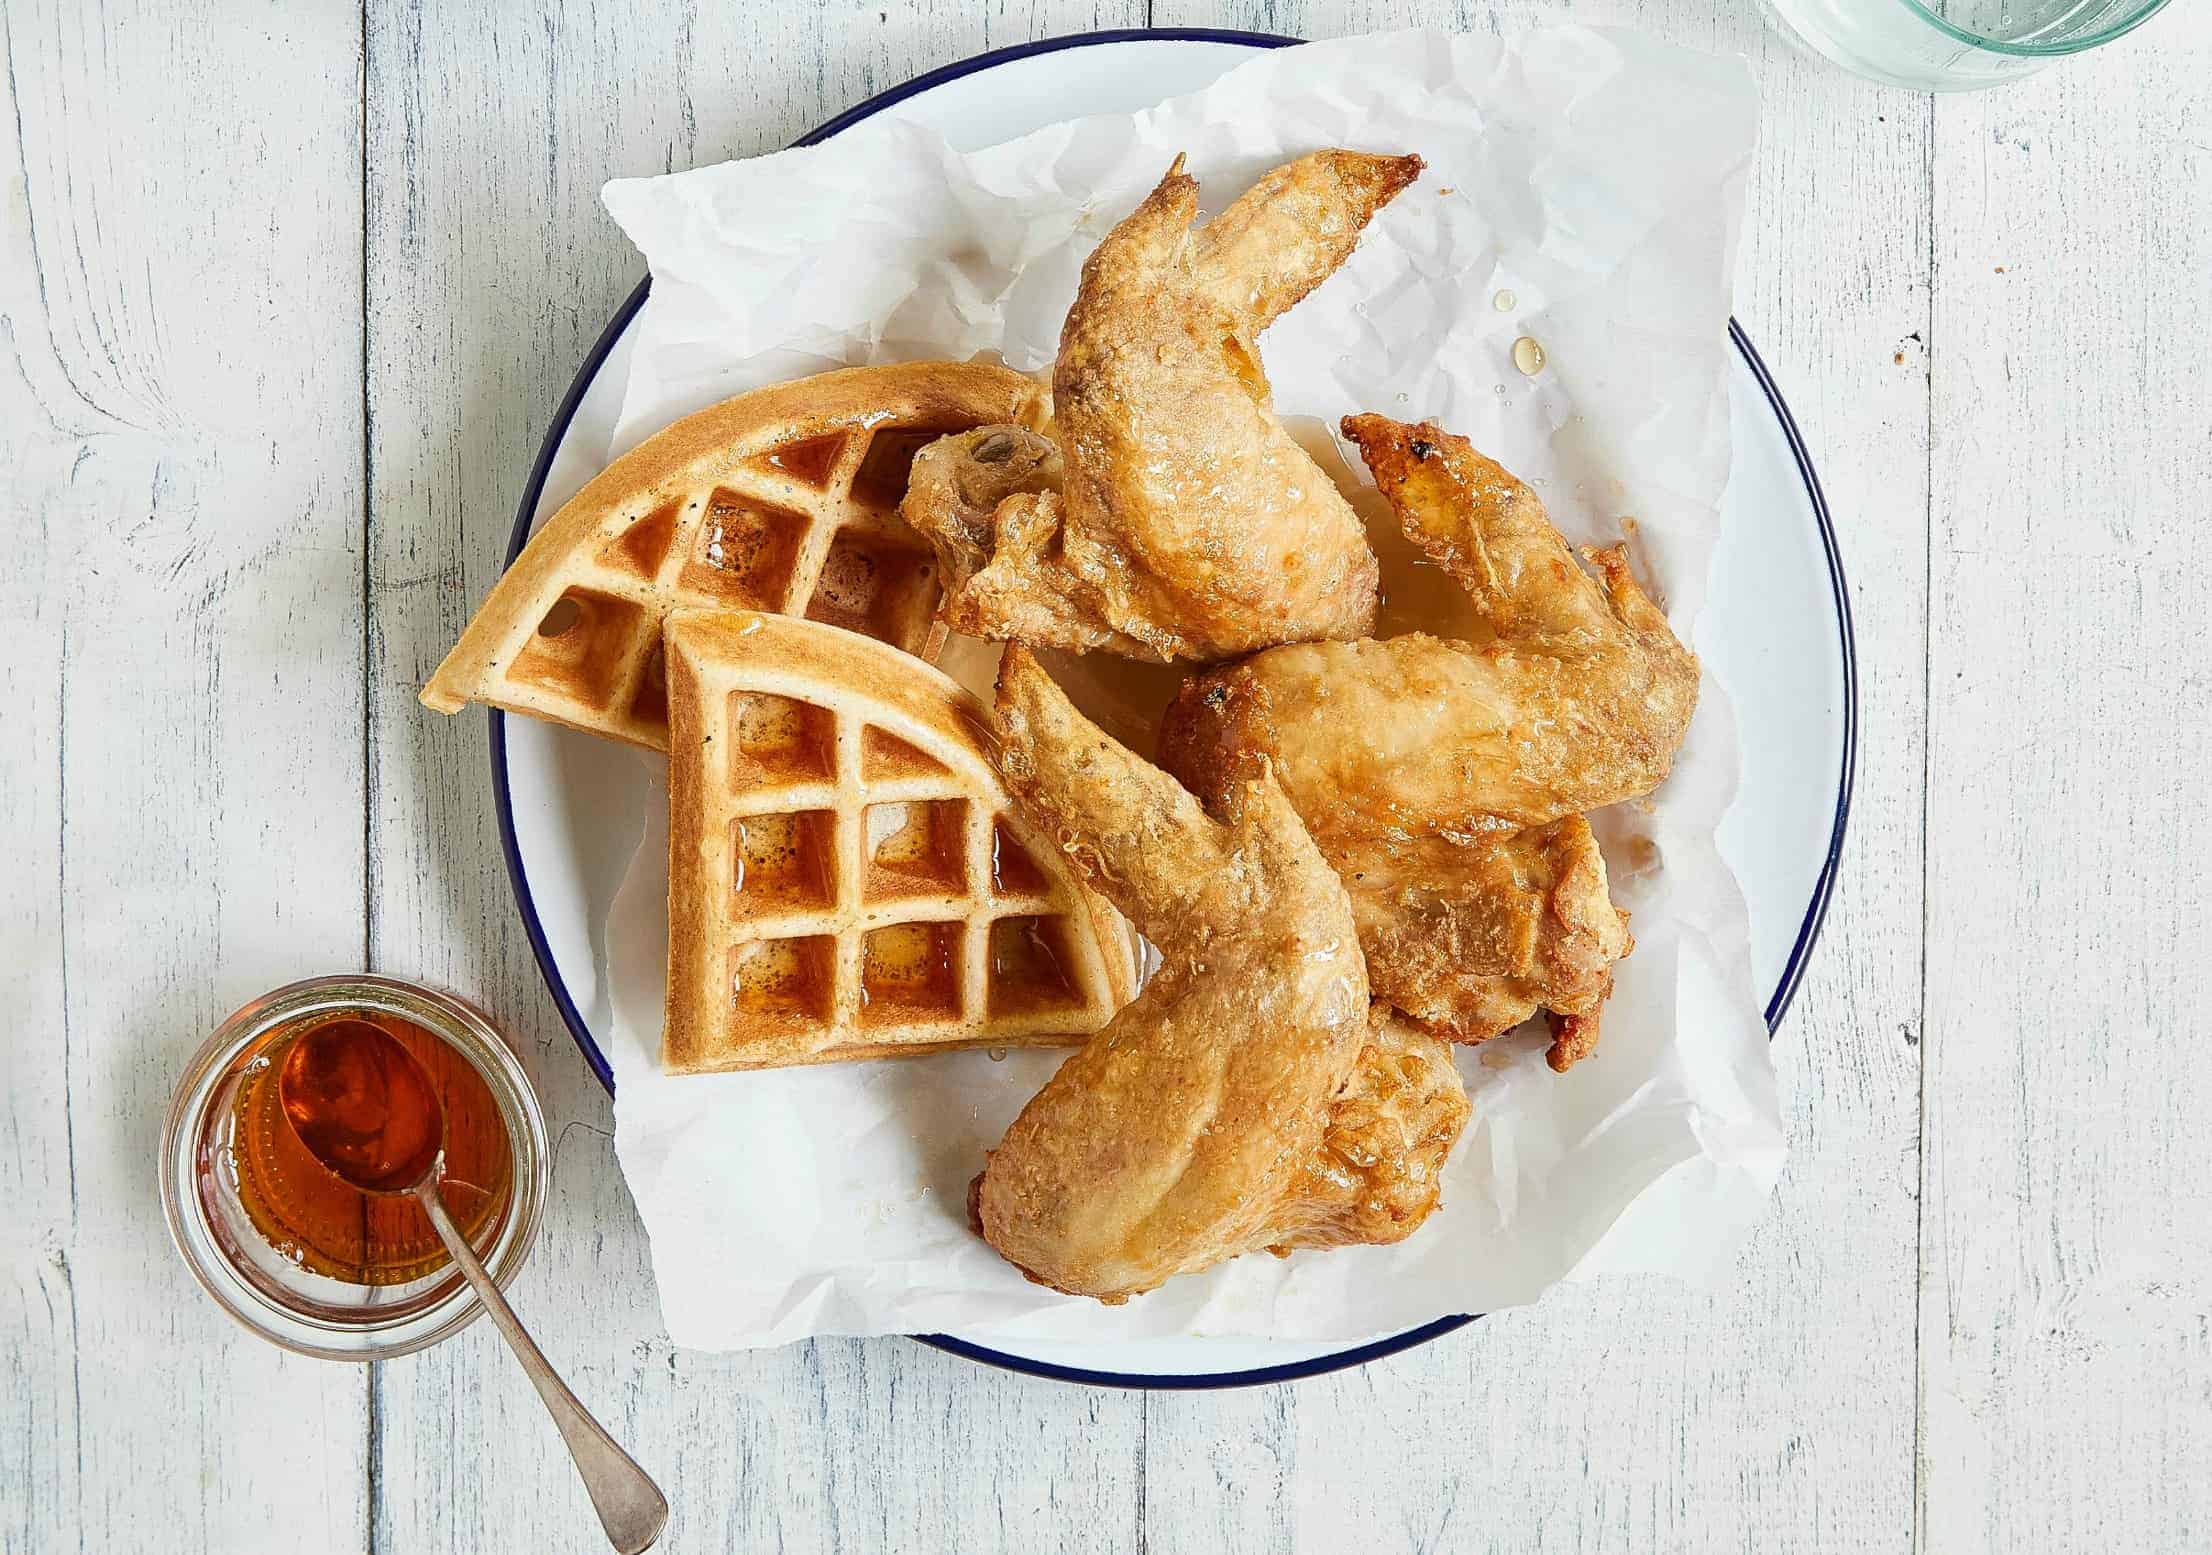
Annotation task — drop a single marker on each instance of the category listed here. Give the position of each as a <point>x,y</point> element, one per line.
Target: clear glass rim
<point>2142,12</point>
<point>288,1327</point>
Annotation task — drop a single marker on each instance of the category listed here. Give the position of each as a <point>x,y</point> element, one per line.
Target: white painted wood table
<point>287,295</point>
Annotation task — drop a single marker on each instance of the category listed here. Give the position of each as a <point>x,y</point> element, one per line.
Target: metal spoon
<point>364,1107</point>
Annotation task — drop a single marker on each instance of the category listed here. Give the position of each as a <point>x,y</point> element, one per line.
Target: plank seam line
<point>372,1442</point>
<point>1927,748</point>
<point>1144,1400</point>
<point>61,958</point>
<point>368,525</point>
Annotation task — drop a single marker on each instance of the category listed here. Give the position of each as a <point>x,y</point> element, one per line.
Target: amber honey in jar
<point>299,1255</point>
<point>324,1224</point>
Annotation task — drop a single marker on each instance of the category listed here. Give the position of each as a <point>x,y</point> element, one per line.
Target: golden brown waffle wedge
<point>783,499</point>
<point>846,876</point>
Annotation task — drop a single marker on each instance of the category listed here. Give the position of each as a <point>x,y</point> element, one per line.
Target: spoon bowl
<point>363,1106</point>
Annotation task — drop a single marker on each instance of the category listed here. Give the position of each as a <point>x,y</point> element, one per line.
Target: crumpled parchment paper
<point>1584,188</point>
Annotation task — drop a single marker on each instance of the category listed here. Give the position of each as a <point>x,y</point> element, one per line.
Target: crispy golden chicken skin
<point>1444,779</point>
<point>1181,520</point>
<point>1193,1128</point>
<point>1378,1173</point>
<point>1471,936</point>
<point>1580,699</point>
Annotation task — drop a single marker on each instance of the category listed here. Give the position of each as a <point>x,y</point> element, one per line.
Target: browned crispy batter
<point>1445,779</point>
<point>1573,1038</point>
<point>989,502</point>
<point>1379,1170</point>
<point>1579,701</point>
<point>1182,521</point>
<point>1471,936</point>
<point>1188,1130</point>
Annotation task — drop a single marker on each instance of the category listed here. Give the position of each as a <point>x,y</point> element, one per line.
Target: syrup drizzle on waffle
<point>785,500</point>
<point>854,888</point>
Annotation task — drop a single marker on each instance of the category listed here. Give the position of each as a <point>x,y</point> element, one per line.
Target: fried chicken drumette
<point>1169,515</point>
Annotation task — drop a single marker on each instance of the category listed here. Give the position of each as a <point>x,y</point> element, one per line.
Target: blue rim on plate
<point>1793,971</point>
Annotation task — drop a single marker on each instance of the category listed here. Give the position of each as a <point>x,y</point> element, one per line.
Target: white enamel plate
<point>1776,634</point>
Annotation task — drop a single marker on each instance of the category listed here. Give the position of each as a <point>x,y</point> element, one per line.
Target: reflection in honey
<point>918,844</point>
<point>782,738</point>
<point>782,977</point>
<point>809,460</point>
<point>582,645</point>
<point>1029,966</point>
<point>1013,871</point>
<point>781,860</point>
<point>319,1222</point>
<point>909,970</point>
<point>745,551</point>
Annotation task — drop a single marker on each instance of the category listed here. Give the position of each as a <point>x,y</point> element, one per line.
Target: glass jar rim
<point>2133,17</point>
<point>454,1020</point>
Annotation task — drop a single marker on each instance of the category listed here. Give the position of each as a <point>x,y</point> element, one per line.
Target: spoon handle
<point>631,1507</point>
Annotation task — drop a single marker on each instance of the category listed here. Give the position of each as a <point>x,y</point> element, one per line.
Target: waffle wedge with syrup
<point>847,877</point>
<point>784,499</point>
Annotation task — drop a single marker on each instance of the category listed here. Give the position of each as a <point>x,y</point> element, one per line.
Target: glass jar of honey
<point>294,1253</point>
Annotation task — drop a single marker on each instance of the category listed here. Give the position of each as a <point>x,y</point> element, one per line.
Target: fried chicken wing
<point>1472,935</point>
<point>1378,1173</point>
<point>1228,1108</point>
<point>1579,699</point>
<point>1445,779</point>
<point>1181,520</point>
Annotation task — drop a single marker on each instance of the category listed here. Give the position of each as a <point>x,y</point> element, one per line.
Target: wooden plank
<point>2066,1378</point>
<point>491,269</point>
<point>1776,1412</point>
<point>180,295</point>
